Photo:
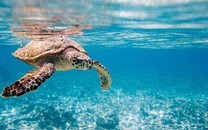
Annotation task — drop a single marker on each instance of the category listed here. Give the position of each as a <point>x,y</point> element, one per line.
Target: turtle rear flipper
<point>105,79</point>
<point>29,82</point>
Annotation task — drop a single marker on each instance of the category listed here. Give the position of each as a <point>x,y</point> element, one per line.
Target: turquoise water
<point>155,51</point>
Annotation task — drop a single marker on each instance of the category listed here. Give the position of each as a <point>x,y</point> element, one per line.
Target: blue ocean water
<point>155,51</point>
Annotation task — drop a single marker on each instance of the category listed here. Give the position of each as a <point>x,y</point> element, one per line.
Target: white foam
<point>130,14</point>
<point>155,25</point>
<point>153,2</point>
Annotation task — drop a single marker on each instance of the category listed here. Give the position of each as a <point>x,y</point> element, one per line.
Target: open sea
<point>156,52</point>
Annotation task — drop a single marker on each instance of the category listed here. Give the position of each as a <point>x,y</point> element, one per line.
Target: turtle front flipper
<point>29,82</point>
<point>105,79</point>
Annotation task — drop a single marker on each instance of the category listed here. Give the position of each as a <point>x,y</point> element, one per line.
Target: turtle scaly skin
<point>29,82</point>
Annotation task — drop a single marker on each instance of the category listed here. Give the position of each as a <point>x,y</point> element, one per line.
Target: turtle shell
<point>37,49</point>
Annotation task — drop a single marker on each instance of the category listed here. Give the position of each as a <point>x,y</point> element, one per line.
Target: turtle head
<point>82,62</point>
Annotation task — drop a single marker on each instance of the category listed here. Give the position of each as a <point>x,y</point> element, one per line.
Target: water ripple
<point>116,22</point>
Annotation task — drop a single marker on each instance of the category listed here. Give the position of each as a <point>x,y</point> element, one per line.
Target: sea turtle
<point>48,55</point>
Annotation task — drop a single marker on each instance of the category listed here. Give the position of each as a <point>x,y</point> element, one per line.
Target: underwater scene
<point>107,64</point>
